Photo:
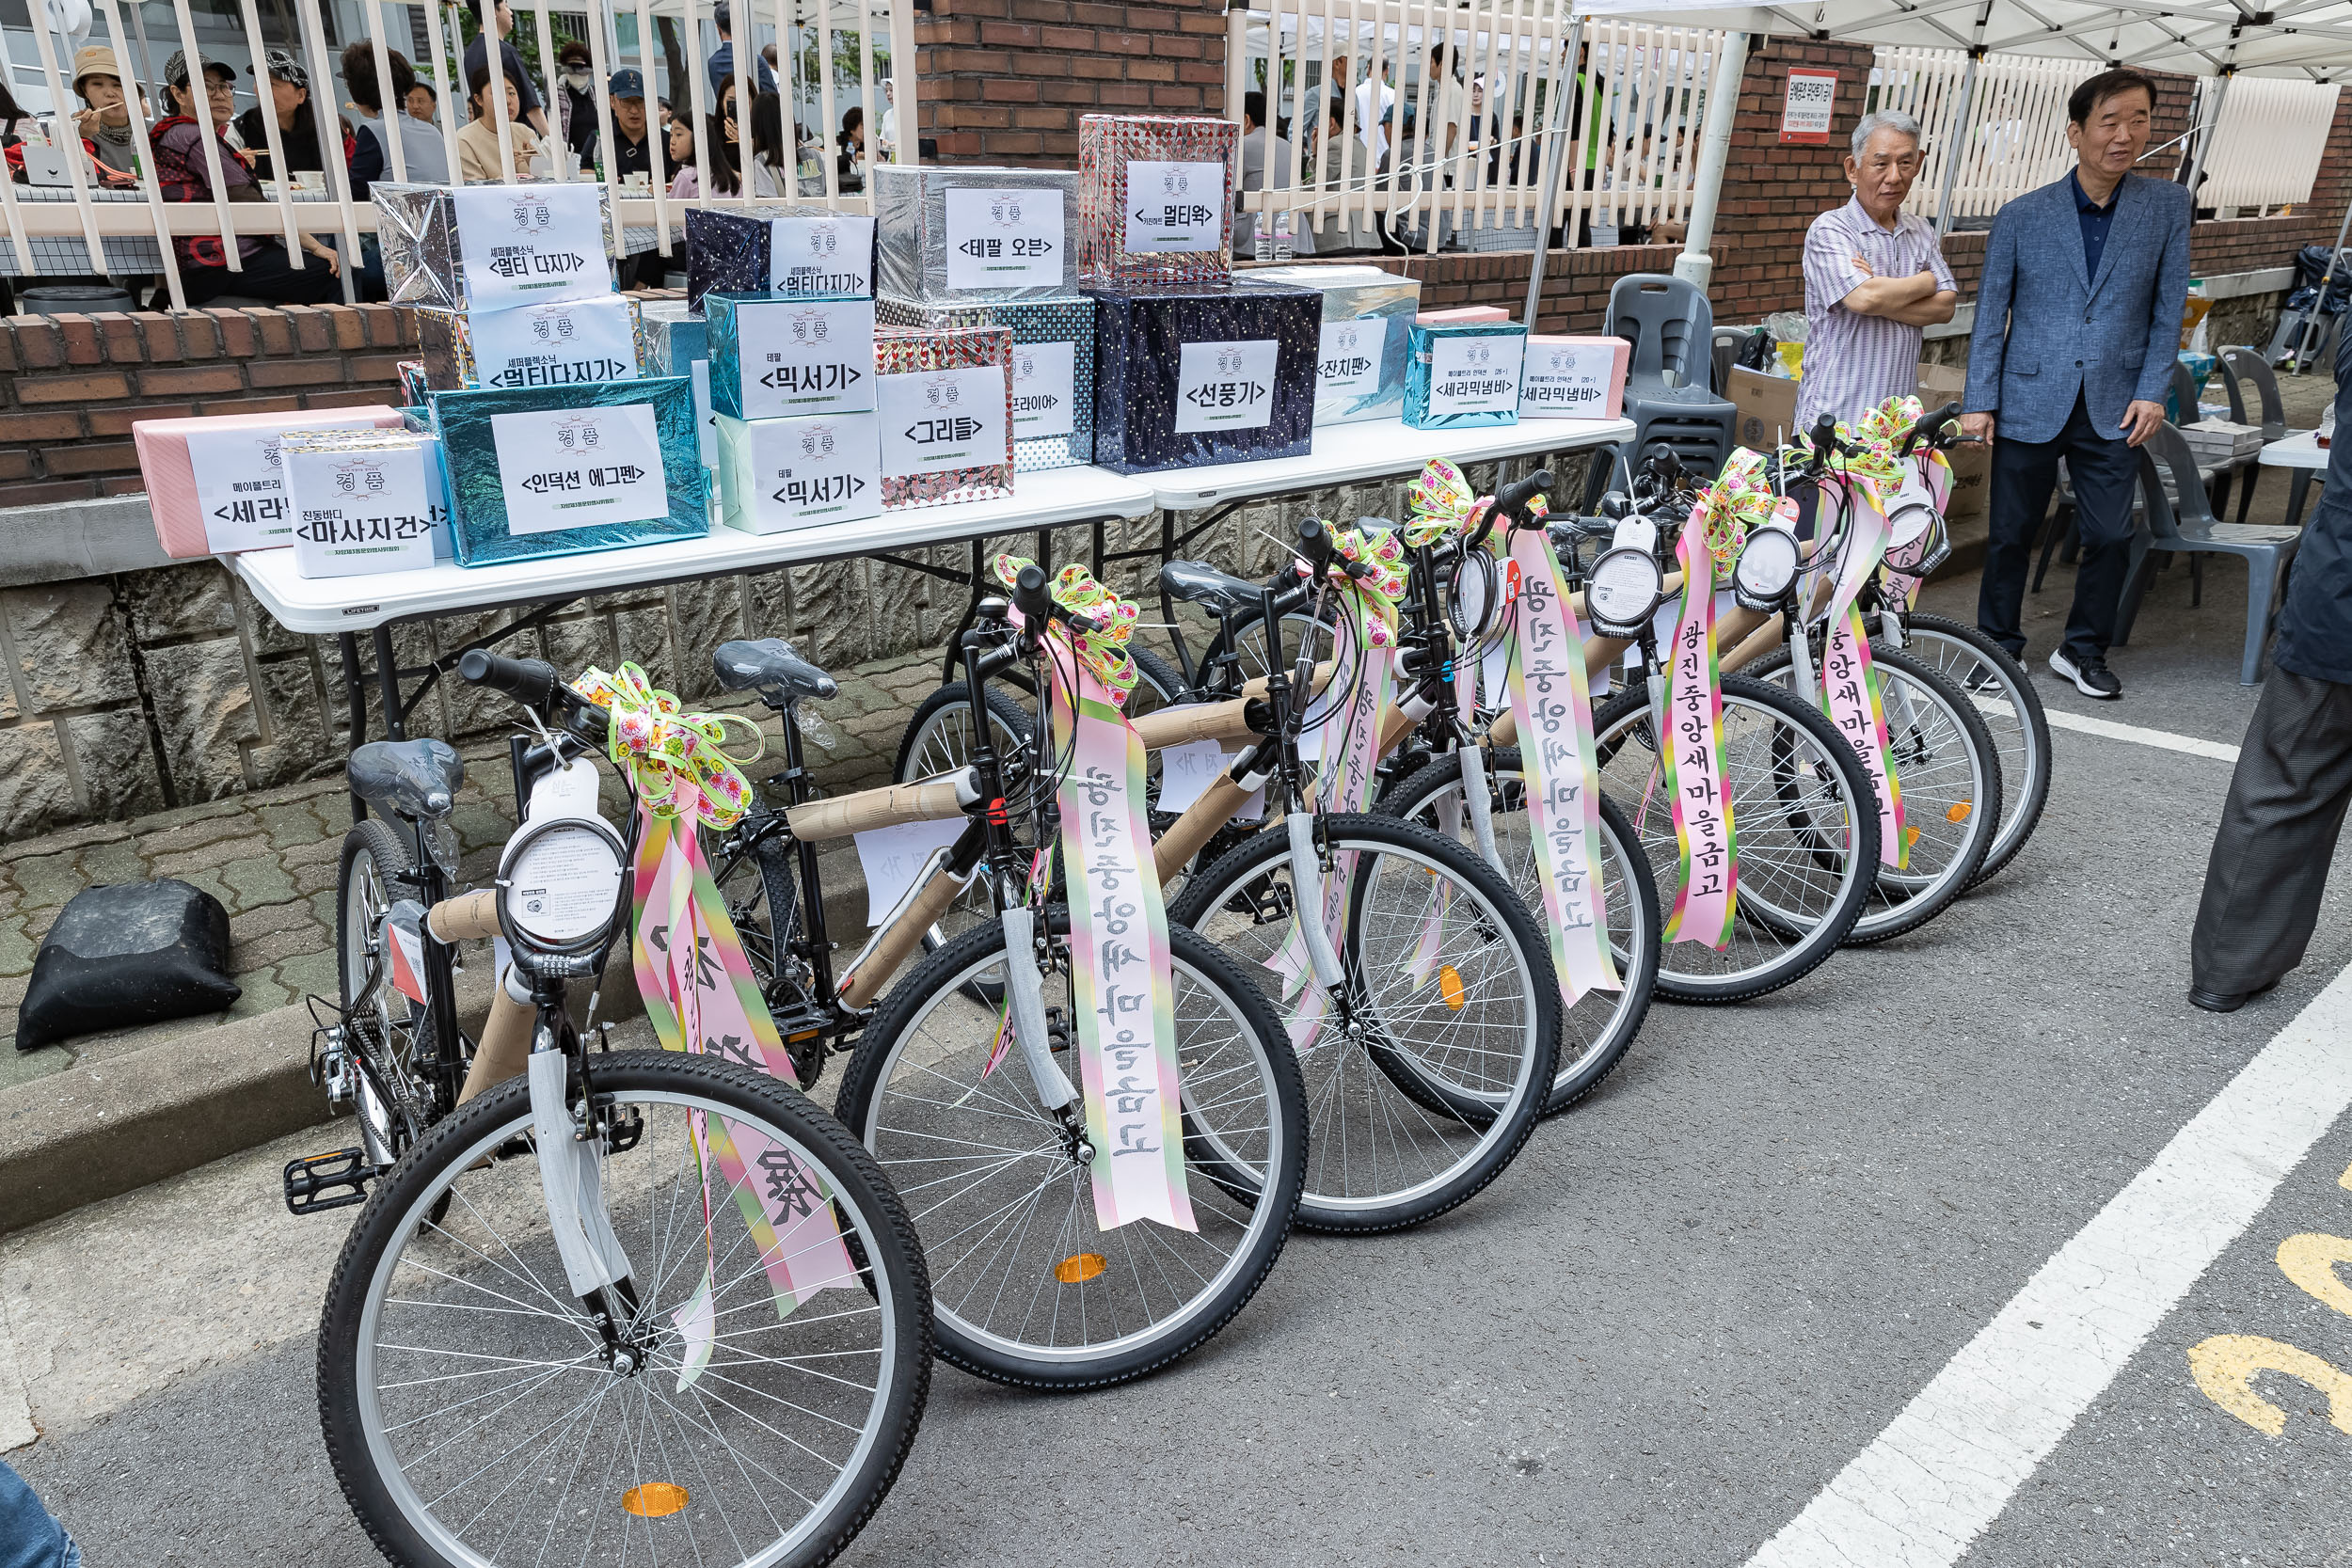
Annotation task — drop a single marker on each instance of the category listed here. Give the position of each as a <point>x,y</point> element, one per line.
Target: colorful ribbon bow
<point>1873,442</point>
<point>1740,500</point>
<point>670,753</point>
<point>1103,650</point>
<point>1442,502</point>
<point>1891,420</point>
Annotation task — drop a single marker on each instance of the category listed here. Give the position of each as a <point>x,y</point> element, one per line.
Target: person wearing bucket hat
<point>184,173</point>
<point>287,100</point>
<point>105,119</point>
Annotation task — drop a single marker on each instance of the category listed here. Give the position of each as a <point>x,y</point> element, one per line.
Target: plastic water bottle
<point>1283,237</point>
<point>1261,238</point>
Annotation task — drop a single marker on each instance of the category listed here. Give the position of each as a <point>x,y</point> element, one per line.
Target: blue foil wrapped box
<point>777,356</point>
<point>561,470</point>
<point>1459,375</point>
<point>678,343</point>
<point>1186,375</point>
<point>1367,321</point>
<point>1053,370</point>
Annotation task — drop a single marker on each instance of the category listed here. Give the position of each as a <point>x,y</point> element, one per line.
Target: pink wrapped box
<point>944,397</point>
<point>1574,378</point>
<point>1468,313</point>
<point>1156,199</point>
<point>215,483</point>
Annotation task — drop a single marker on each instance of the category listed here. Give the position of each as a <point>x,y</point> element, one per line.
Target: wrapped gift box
<point>1459,375</point>
<point>1188,376</point>
<point>1367,316</point>
<point>778,247</point>
<point>777,475</point>
<point>214,483</point>
<point>774,358</point>
<point>492,248</point>
<point>946,403</point>
<point>413,381</point>
<point>678,343</point>
<point>559,471</point>
<point>1465,315</point>
<point>1053,370</point>
<point>1156,199</point>
<point>966,236</point>
<point>533,345</point>
<point>363,500</point>
<point>1574,378</point>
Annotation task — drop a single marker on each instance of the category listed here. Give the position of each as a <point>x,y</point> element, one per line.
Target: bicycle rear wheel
<point>2011,710</point>
<point>474,1413</point>
<point>1805,829</point>
<point>1427,1076</point>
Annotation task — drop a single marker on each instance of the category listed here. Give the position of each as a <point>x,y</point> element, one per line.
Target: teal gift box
<point>561,470</point>
<point>776,356</point>
<point>1458,375</point>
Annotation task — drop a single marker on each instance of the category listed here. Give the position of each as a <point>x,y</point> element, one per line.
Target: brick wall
<point>1004,81</point>
<point>70,386</point>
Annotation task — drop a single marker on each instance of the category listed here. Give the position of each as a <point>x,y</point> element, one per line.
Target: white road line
<point>1944,1468</point>
<point>2107,729</point>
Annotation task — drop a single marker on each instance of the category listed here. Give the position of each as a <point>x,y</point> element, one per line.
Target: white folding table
<point>2302,454</point>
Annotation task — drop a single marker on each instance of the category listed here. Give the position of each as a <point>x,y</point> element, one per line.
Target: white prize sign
<point>1003,239</point>
<point>1566,381</point>
<point>1350,365</point>
<point>1044,389</point>
<point>831,255</point>
<point>1475,374</point>
<point>806,357</point>
<point>1174,207</point>
<point>522,245</point>
<point>556,346</point>
<point>580,467</point>
<point>240,488</point>
<point>358,512</point>
<point>937,419</point>
<point>824,470</point>
<point>1227,386</point>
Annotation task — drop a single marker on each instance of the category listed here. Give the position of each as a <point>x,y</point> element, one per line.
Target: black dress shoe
<point>2223,1001</point>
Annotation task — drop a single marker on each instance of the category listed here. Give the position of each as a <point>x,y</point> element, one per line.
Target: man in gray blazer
<point>2079,319</point>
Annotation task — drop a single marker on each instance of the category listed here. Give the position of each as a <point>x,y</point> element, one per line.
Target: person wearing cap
<point>502,15</point>
<point>635,151</point>
<point>424,155</point>
<point>297,125</point>
<point>105,121</point>
<point>184,173</point>
<point>721,62</point>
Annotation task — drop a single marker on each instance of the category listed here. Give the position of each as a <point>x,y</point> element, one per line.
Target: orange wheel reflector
<point>1911,837</point>
<point>655,1499</point>
<point>1449,987</point>
<point>1079,1267</point>
<point>1958,811</point>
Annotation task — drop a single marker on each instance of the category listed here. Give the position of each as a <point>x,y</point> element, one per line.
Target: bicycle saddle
<point>416,779</point>
<point>1198,583</point>
<point>769,665</point>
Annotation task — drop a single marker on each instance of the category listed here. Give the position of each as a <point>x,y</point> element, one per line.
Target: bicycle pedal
<point>336,1179</point>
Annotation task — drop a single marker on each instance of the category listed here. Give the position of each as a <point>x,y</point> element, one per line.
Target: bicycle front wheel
<point>1428,1071</point>
<point>1030,1289</point>
<point>474,1413</point>
<point>2011,710</point>
<point>1805,827</point>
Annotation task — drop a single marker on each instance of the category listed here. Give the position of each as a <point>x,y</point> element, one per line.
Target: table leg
<point>2298,492</point>
<point>355,692</point>
<point>388,682</point>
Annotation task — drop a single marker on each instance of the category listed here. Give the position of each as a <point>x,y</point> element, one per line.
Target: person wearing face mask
<point>576,98</point>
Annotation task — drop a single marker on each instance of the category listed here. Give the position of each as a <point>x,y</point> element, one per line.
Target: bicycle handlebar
<point>534,684</point>
<point>1512,501</point>
<point>1930,428</point>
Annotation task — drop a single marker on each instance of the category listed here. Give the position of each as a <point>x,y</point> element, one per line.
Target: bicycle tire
<point>1901,902</point>
<point>1270,1201</point>
<point>1414,799</point>
<point>1847,834</point>
<point>889,1258</point>
<point>1501,1120</point>
<point>2025,789</point>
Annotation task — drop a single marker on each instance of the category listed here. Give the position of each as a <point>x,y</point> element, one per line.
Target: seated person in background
<point>287,101</point>
<point>636,148</point>
<point>105,122</point>
<point>681,140</point>
<point>184,173</point>
<point>478,138</point>
<point>850,163</point>
<point>423,102</point>
<point>425,153</point>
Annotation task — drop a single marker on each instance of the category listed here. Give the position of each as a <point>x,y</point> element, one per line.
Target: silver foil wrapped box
<point>533,345</point>
<point>779,247</point>
<point>492,248</point>
<point>968,236</point>
<point>1053,370</point>
<point>560,471</point>
<point>1367,319</point>
<point>1198,374</point>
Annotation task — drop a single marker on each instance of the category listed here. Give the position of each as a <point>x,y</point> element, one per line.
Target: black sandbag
<point>119,955</point>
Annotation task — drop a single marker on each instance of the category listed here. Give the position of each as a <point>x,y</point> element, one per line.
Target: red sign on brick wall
<point>1804,114</point>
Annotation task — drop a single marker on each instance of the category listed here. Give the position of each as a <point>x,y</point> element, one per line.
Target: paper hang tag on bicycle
<point>568,791</point>
<point>1186,771</point>
<point>404,952</point>
<point>893,856</point>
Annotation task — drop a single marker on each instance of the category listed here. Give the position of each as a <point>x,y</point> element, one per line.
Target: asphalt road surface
<point>1904,1265</point>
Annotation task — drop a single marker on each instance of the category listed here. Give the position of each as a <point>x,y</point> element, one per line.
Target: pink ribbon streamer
<point>1707,888</point>
<point>1849,683</point>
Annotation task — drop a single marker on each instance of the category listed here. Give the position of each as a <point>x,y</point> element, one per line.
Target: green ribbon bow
<point>1103,650</point>
<point>674,758</point>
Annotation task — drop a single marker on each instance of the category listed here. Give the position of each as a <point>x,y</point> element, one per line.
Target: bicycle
<point>959,1079</point>
<point>579,1315</point>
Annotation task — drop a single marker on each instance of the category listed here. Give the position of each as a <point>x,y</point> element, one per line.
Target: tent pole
<point>2213,128</point>
<point>2319,306</point>
<point>1958,148</point>
<point>1564,97</point>
<point>1695,264</point>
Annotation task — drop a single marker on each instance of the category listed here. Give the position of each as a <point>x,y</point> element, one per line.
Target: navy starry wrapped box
<point>1053,370</point>
<point>1186,375</point>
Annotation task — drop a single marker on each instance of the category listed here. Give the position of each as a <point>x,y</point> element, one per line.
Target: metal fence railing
<point>1453,151</point>
<point>72,217</point>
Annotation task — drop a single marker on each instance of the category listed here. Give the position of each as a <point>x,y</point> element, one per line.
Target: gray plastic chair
<point>1668,322</point>
<point>1727,341</point>
<point>2187,526</point>
<point>2240,368</point>
<point>1672,329</point>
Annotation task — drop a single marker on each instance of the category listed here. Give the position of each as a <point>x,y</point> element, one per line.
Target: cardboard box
<point>1767,407</point>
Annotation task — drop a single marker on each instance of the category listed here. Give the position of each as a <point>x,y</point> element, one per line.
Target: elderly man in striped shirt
<point>1873,277</point>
